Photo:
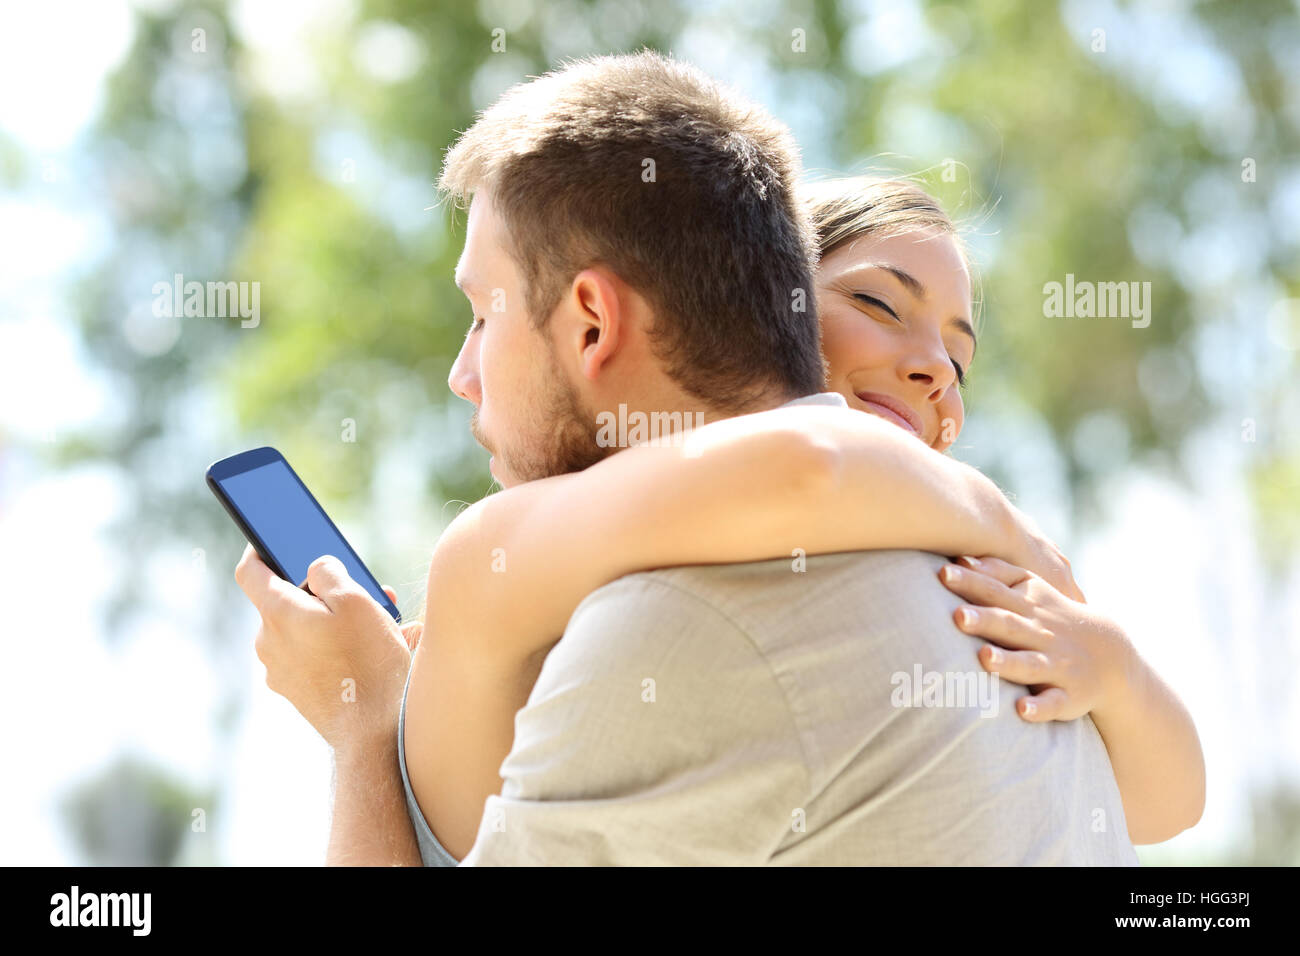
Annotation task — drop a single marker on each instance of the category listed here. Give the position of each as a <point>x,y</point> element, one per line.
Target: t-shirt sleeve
<point>656,734</point>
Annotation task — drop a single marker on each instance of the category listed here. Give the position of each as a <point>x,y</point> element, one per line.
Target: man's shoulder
<point>701,580</point>
<point>816,620</point>
<point>744,590</point>
<point>694,621</point>
<point>650,602</point>
<point>800,642</point>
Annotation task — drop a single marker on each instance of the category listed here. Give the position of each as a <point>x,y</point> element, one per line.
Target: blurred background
<point>294,144</point>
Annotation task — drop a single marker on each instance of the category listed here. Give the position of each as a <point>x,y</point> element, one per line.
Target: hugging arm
<point>748,488</point>
<point>1155,753</point>
<point>508,573</point>
<point>1077,661</point>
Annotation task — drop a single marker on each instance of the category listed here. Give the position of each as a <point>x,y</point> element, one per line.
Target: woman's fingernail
<point>967,617</point>
<point>971,562</point>
<point>1030,708</point>
<point>995,656</point>
<point>951,572</point>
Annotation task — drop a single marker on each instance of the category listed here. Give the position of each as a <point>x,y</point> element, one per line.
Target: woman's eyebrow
<point>909,281</point>
<point>914,286</point>
<point>964,326</point>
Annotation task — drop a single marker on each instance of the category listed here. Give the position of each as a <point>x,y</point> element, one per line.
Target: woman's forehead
<point>928,262</point>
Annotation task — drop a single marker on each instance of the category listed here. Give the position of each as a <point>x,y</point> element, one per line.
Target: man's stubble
<point>561,432</point>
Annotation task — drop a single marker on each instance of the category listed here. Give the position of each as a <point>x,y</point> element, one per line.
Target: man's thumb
<point>327,575</point>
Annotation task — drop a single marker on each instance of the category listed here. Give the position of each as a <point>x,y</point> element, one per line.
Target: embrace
<point>742,642</point>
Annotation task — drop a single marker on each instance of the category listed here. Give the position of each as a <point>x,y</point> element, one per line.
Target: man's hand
<point>334,653</point>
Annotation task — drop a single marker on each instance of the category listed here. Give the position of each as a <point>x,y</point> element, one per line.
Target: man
<point>633,240</point>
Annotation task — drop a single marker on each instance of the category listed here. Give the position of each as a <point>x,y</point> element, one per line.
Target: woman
<point>894,298</point>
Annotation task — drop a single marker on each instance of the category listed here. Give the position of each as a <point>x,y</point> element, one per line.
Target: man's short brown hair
<point>684,189</point>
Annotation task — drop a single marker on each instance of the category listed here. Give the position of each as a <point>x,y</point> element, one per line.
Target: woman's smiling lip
<point>893,410</point>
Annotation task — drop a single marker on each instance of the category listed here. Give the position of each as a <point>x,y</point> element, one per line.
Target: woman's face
<point>896,330</point>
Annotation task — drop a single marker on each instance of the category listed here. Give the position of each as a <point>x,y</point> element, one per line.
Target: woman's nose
<point>934,373</point>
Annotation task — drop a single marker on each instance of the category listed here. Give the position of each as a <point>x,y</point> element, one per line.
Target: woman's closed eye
<point>474,326</point>
<point>961,373</point>
<point>872,300</point>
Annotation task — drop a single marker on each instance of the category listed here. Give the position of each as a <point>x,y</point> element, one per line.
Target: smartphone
<point>283,521</point>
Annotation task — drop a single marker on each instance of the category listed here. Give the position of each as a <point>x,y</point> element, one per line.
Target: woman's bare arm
<point>509,571</point>
<point>1081,662</point>
<point>1155,752</point>
<point>742,489</point>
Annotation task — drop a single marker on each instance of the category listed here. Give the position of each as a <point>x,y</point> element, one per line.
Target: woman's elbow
<point>1172,822</point>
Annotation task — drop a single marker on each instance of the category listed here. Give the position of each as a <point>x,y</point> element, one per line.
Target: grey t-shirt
<point>819,710</point>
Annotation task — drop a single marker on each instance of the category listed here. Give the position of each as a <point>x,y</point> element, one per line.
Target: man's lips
<point>893,410</point>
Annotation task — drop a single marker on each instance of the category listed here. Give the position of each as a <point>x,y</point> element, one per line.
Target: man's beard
<point>565,434</point>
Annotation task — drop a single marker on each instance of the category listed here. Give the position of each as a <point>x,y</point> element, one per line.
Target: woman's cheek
<point>952,415</point>
<point>851,343</point>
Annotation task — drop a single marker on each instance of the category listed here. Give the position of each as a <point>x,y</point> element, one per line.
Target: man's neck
<point>658,413</point>
<point>711,411</point>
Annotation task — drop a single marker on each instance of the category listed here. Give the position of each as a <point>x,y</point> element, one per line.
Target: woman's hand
<point>1076,662</point>
<point>1072,659</point>
<point>1040,554</point>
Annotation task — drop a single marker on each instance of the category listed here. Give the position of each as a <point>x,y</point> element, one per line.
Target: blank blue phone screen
<point>290,525</point>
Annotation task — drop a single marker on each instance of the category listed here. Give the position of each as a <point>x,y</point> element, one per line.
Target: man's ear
<point>600,316</point>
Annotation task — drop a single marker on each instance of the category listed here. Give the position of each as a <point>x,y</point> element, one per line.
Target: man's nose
<point>464,379</point>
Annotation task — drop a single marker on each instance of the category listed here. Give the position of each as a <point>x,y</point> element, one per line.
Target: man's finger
<point>267,591</point>
<point>329,580</point>
<point>254,577</point>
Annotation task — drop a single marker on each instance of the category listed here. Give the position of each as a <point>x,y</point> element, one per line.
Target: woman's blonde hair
<point>856,207</point>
